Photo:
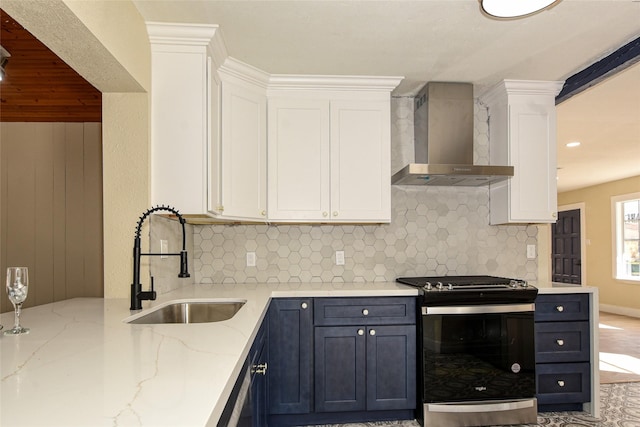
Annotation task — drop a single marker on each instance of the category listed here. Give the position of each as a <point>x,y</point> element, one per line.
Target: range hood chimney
<point>443,128</point>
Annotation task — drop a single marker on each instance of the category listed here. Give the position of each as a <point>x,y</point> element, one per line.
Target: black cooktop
<point>471,290</point>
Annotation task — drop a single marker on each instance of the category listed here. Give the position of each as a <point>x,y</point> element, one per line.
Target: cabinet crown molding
<point>233,68</point>
<point>501,91</point>
<point>329,82</point>
<point>204,35</point>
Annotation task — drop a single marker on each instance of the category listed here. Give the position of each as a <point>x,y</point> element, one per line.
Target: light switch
<point>339,257</point>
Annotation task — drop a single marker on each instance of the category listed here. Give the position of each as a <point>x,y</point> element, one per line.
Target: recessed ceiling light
<point>573,144</point>
<point>514,8</point>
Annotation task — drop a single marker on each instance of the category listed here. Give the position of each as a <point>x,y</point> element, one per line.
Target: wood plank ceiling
<point>38,85</point>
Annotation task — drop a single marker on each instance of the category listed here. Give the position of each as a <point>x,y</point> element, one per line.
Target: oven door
<point>478,353</point>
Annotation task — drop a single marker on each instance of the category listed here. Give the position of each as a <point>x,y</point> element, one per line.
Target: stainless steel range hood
<point>443,128</point>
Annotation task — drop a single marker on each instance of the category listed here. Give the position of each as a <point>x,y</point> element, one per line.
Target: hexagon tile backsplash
<point>433,231</point>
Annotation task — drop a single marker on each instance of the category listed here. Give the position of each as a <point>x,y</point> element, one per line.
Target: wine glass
<point>17,289</point>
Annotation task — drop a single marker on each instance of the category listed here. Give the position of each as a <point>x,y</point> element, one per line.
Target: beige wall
<point>615,295</point>
<point>51,208</point>
<point>106,42</point>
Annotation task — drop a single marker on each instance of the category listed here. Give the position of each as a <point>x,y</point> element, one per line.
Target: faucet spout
<point>137,295</point>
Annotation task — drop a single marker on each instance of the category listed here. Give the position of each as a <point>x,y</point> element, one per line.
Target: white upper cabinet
<point>329,154</point>
<point>298,162</point>
<point>239,175</point>
<point>328,137</point>
<point>179,115</point>
<point>361,161</point>
<point>522,133</point>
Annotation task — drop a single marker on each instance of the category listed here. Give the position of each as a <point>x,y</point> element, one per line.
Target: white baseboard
<point>624,311</point>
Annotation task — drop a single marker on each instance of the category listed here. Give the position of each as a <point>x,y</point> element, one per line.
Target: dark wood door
<point>290,356</point>
<point>566,248</point>
<point>391,373</point>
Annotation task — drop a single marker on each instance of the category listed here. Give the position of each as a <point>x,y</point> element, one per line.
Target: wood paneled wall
<point>51,209</point>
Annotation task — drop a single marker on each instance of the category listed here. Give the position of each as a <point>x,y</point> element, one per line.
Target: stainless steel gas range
<point>477,364</point>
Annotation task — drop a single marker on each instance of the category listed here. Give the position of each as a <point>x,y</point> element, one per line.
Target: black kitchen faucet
<point>137,295</point>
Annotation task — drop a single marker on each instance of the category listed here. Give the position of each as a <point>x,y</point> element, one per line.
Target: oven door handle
<point>481,407</point>
<point>479,309</point>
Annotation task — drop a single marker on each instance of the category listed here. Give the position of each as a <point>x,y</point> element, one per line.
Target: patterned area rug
<point>619,407</point>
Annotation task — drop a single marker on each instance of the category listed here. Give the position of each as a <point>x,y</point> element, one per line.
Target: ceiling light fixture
<point>4,58</point>
<point>573,144</point>
<point>514,8</point>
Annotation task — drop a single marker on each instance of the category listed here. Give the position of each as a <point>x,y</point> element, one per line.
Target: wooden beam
<point>619,60</point>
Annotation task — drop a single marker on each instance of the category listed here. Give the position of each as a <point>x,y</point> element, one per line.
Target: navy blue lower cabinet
<point>563,352</point>
<point>291,356</point>
<point>391,373</point>
<point>365,368</point>
<point>340,368</point>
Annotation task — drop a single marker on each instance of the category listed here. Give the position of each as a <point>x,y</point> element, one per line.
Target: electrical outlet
<point>339,257</point>
<point>164,248</point>
<point>251,259</point>
<point>531,251</point>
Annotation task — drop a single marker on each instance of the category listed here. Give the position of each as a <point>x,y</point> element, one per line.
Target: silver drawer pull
<point>561,383</point>
<point>259,369</point>
<point>560,342</point>
<point>372,332</point>
<point>365,312</point>
<point>559,308</point>
<point>304,305</point>
<point>360,332</point>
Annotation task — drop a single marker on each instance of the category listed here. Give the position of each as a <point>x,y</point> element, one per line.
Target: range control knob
<point>450,286</point>
<point>439,286</point>
<point>428,286</point>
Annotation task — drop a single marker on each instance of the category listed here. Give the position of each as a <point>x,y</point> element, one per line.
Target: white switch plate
<point>251,259</point>
<point>164,248</point>
<point>339,257</point>
<point>531,251</point>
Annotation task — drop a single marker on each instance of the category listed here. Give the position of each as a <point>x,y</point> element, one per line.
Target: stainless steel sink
<point>190,312</point>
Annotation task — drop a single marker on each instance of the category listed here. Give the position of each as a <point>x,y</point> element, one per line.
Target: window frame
<point>617,242</point>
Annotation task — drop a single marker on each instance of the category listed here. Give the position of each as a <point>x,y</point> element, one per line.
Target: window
<point>626,218</point>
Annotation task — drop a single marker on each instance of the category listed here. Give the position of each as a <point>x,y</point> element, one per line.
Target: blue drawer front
<point>562,307</point>
<point>562,342</point>
<point>365,311</point>
<point>560,383</point>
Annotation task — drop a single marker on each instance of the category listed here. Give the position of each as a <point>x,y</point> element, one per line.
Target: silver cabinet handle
<point>335,213</point>
<point>259,369</point>
<point>372,332</point>
<point>263,213</point>
<point>561,383</point>
<point>360,332</point>
<point>365,312</point>
<point>559,308</point>
<point>324,214</point>
<point>560,342</point>
<point>304,305</point>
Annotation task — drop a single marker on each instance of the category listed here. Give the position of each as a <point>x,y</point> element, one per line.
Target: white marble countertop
<point>81,365</point>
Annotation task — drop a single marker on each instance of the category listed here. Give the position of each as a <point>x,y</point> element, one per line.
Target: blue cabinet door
<point>290,356</point>
<point>340,368</point>
<point>391,367</point>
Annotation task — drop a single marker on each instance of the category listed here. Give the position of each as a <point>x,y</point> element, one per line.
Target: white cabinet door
<point>533,189</point>
<point>298,160</point>
<point>179,128</point>
<point>522,133</point>
<point>329,160</point>
<point>360,161</point>
<point>243,152</point>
